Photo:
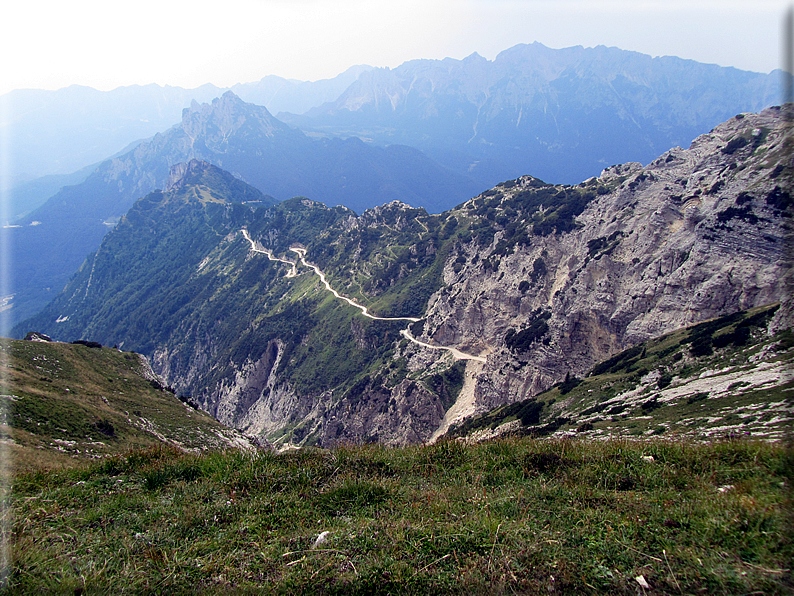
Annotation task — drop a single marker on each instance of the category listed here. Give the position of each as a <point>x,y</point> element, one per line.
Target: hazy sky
<point>49,44</point>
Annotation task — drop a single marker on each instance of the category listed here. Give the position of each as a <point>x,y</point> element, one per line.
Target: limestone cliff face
<point>698,233</point>
<point>695,234</point>
<point>258,402</point>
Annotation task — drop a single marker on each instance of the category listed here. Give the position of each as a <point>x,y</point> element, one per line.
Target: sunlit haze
<point>49,45</point>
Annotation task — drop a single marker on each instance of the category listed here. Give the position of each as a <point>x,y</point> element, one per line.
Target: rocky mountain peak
<point>182,173</point>
<point>227,115</point>
<point>391,213</point>
<point>616,171</point>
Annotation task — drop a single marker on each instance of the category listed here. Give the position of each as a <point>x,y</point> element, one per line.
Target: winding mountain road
<point>457,354</point>
<point>364,311</point>
<point>254,248</point>
<point>406,333</point>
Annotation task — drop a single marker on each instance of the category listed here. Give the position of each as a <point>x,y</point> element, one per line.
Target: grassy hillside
<point>721,378</point>
<point>64,404</point>
<point>511,516</point>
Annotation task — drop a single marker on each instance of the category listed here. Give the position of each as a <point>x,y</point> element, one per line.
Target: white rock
<point>321,539</point>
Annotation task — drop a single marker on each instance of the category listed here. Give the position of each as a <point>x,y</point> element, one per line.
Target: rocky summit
<point>312,325</point>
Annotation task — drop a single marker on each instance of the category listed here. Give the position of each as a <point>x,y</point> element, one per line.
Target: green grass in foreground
<point>512,516</point>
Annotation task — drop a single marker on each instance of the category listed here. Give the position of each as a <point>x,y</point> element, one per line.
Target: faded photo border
<point>7,289</point>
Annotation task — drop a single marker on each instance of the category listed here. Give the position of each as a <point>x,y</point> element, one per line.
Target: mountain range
<point>50,243</point>
<point>524,286</point>
<point>483,118</point>
<point>59,132</point>
<point>561,115</point>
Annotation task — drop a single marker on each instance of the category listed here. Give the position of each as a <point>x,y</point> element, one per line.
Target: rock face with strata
<point>697,233</point>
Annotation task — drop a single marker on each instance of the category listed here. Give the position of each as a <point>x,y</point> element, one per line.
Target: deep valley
<point>531,283</point>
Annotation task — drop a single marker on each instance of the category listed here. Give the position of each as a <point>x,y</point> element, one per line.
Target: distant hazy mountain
<point>53,134</point>
<point>58,132</point>
<point>562,115</point>
<point>247,141</point>
<point>288,95</point>
<point>24,197</point>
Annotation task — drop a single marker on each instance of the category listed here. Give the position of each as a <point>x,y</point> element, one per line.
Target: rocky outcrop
<point>36,336</point>
<point>695,234</point>
<point>179,174</point>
